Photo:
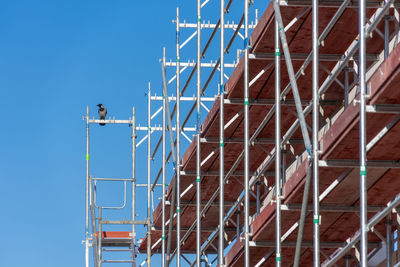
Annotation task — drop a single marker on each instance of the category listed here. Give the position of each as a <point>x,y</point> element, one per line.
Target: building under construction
<point>295,162</point>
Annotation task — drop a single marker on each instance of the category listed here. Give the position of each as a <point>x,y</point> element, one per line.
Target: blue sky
<point>56,58</point>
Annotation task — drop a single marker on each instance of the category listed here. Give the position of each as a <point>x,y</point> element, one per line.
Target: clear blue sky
<point>57,57</point>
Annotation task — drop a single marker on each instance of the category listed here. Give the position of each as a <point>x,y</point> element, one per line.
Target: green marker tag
<point>278,257</point>
<point>363,170</point>
<point>221,143</point>
<point>178,209</point>
<point>87,156</point>
<point>198,18</point>
<point>198,179</point>
<point>246,101</point>
<point>317,218</point>
<point>177,59</point>
<point>277,52</point>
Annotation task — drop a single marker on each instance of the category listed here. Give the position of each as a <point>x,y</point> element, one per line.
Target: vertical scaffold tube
<point>163,175</point>
<point>389,246</point>
<point>363,152</point>
<point>149,177</point>
<point>87,192</point>
<point>198,132</point>
<point>99,238</point>
<point>246,133</point>
<point>178,146</point>
<point>221,136</point>
<point>315,130</point>
<point>171,142</point>
<point>277,144</point>
<point>386,35</point>
<point>133,245</point>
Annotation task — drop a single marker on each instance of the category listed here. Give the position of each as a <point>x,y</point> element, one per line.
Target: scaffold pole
<point>315,131</point>
<point>87,192</point>
<point>363,137</point>
<point>198,132</point>
<point>221,137</point>
<point>278,252</point>
<point>163,175</point>
<point>149,175</point>
<point>178,146</point>
<point>174,159</point>
<point>133,245</point>
<point>246,134</point>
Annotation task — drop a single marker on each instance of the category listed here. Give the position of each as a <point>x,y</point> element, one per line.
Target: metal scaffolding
<point>260,204</point>
<point>96,237</point>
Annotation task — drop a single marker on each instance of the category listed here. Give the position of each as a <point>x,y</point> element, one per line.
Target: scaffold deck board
<point>116,239</point>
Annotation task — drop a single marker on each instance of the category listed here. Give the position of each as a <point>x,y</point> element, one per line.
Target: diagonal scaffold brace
<point>303,126</point>
<point>289,66</point>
